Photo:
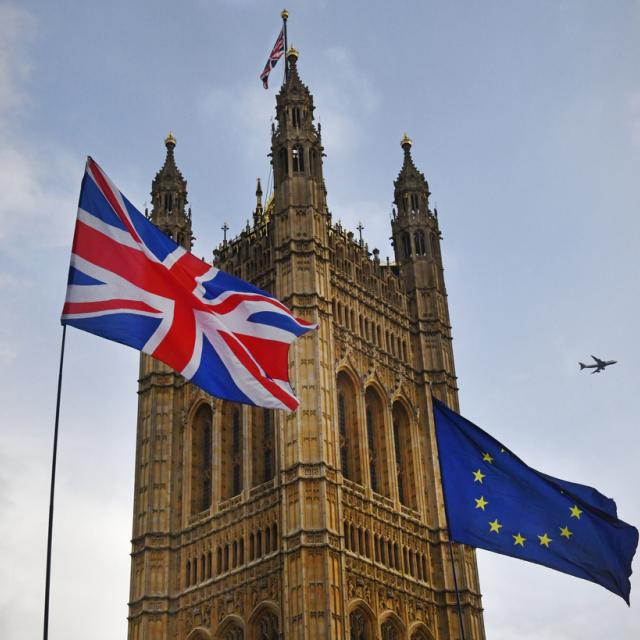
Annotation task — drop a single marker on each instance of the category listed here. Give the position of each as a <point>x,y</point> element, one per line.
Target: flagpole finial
<point>284,14</point>
<point>292,53</point>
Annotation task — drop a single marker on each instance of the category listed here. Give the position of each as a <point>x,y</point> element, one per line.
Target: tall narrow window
<point>231,446</point>
<point>168,202</point>
<point>284,162</point>
<point>349,429</point>
<point>418,241</point>
<point>405,456</point>
<point>415,203</point>
<point>377,440</point>
<point>295,117</point>
<point>262,446</point>
<point>201,460</point>
<point>406,244</point>
<point>297,158</point>
<point>313,162</point>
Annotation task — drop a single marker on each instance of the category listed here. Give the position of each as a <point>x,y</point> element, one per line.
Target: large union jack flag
<point>274,56</point>
<point>131,283</point>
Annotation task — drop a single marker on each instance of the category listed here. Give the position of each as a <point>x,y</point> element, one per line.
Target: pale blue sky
<point>525,118</point>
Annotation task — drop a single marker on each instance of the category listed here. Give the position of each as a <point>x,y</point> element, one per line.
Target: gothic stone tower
<point>327,522</point>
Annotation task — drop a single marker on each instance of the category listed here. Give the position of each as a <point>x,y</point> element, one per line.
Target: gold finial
<point>406,140</point>
<point>292,53</point>
<point>285,14</point>
<point>170,140</point>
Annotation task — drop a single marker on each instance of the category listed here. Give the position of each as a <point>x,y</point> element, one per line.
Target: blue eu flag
<point>495,501</point>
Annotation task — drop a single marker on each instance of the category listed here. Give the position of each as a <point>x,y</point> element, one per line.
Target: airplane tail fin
<point>582,366</point>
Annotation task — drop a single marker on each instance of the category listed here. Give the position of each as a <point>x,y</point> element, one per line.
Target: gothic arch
<point>264,622</point>
<point>349,425</point>
<point>199,633</point>
<point>361,621</point>
<point>420,631</point>
<point>405,455</point>
<point>377,440</point>
<point>391,627</point>
<point>231,628</point>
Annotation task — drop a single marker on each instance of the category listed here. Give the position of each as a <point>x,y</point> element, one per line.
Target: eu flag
<point>495,501</point>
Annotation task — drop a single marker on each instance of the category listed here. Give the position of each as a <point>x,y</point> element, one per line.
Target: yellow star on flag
<point>495,526</point>
<point>544,540</point>
<point>481,503</point>
<point>519,540</point>
<point>565,533</point>
<point>487,458</point>
<point>478,475</point>
<point>575,512</point>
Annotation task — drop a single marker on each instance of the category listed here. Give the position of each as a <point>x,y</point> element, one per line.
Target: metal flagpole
<point>53,483</point>
<point>284,15</point>
<point>455,584</point>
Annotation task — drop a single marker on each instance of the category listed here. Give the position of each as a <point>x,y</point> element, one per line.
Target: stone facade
<point>327,522</point>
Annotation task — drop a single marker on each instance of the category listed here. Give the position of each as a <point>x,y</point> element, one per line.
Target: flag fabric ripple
<point>131,283</point>
<point>495,501</point>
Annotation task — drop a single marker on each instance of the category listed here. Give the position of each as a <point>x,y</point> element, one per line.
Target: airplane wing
<point>598,361</point>
<point>598,370</point>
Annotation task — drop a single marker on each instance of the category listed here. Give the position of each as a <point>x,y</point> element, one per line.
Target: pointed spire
<point>169,169</point>
<point>258,214</point>
<point>293,86</point>
<point>169,199</point>
<point>411,187</point>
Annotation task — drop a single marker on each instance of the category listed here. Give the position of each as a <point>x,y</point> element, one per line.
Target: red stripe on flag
<point>107,305</point>
<point>239,351</point>
<point>271,355</point>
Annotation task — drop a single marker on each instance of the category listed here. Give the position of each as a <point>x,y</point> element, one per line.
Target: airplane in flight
<point>598,366</point>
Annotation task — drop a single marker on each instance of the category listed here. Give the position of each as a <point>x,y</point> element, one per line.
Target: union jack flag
<point>131,283</point>
<point>274,56</point>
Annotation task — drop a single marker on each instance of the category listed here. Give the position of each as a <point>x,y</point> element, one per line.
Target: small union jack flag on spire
<point>131,283</point>
<point>274,56</point>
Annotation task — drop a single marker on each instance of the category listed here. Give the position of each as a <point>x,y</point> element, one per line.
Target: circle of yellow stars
<point>518,539</point>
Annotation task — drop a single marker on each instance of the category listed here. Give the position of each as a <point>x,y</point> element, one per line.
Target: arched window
<point>232,631</point>
<point>313,162</point>
<point>419,243</point>
<point>201,460</point>
<point>168,202</point>
<point>349,429</point>
<point>297,158</point>
<point>295,117</point>
<point>360,626</point>
<point>390,630</point>
<point>263,445</point>
<point>283,161</point>
<point>377,441</point>
<point>266,627</point>
<point>405,455</point>
<point>415,203</point>
<point>188,573</point>
<point>231,445</point>
<point>406,244</point>
<point>274,537</point>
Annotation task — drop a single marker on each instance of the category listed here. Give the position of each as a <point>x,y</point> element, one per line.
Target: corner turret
<point>169,199</point>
